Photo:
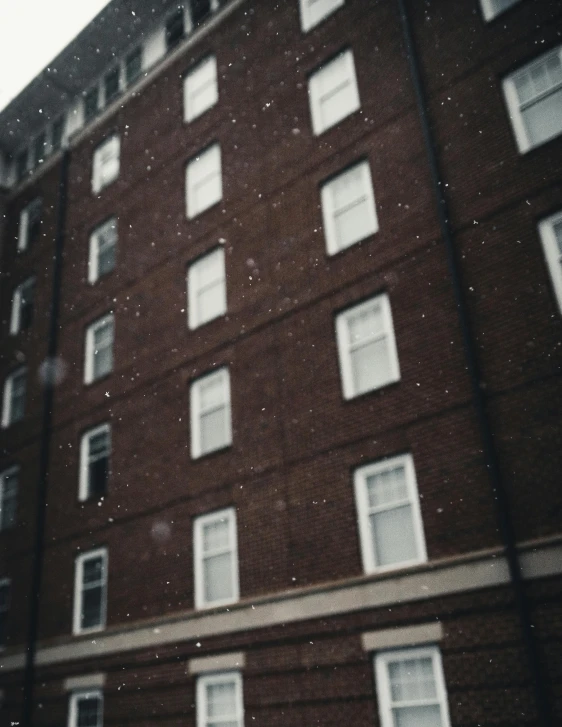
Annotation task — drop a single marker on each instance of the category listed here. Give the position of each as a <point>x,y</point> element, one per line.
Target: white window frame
<point>310,17</point>
<point>4,475</point>
<point>316,97</point>
<point>89,348</point>
<point>83,482</point>
<point>79,590</point>
<point>222,373</point>
<point>94,251</point>
<point>345,346</point>
<point>191,181</point>
<point>489,11</point>
<point>514,105</point>
<point>7,404</point>
<point>360,476</point>
<point>384,697</point>
<point>75,697</point>
<point>228,514</point>
<point>17,299</point>
<point>101,177</point>
<point>234,677</point>
<point>329,211</point>
<point>23,228</point>
<point>194,288</point>
<point>552,254</point>
<point>5,611</point>
<point>190,88</point>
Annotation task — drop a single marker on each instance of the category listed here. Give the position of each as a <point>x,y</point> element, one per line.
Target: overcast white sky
<point>32,32</point>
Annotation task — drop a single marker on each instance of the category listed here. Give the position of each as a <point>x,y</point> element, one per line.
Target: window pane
<point>207,192</point>
<point>423,716</point>
<point>387,486</point>
<point>199,10</point>
<point>211,392</point>
<point>543,119</point>
<point>133,65</point>
<point>412,679</point>
<point>216,535</point>
<point>217,575</point>
<point>365,324</point>
<point>393,536</point>
<point>353,223</point>
<point>103,361</point>
<point>92,571</point>
<point>88,711</point>
<point>111,83</point>
<point>106,260</point>
<point>370,366</point>
<point>221,700</point>
<point>213,430</point>
<point>9,500</point>
<point>97,477</point>
<point>91,607</point>
<point>211,302</point>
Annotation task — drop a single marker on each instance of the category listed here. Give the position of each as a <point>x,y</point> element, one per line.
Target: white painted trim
<point>551,253</point>
<point>190,114</point>
<point>86,681</point>
<point>89,345</point>
<point>319,126</point>
<point>310,19</point>
<point>223,374</point>
<point>84,457</point>
<point>101,178</point>
<point>217,662</point>
<point>428,633</point>
<point>228,514</point>
<point>194,287</point>
<point>201,697</point>
<point>210,155</point>
<point>78,591</point>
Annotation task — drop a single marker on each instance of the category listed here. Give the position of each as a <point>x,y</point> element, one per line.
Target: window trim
<point>89,348</point>
<point>193,290</point>
<point>342,338</point>
<point>94,248</point>
<point>17,298</point>
<point>7,405</point>
<point>209,58</point>
<point>314,102</point>
<point>98,181</point>
<point>78,591</point>
<point>23,241</point>
<point>83,495</point>
<point>201,705</point>
<point>553,257</point>
<point>381,662</point>
<point>229,514</point>
<point>360,476</point>
<point>189,187</point>
<point>8,471</point>
<point>75,696</point>
<point>195,408</point>
<point>305,16</point>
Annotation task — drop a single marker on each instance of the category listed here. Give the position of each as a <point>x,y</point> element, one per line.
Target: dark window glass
<point>21,165</point>
<point>97,479</point>
<point>199,10</point>
<point>34,229</point>
<point>39,149</point>
<point>4,605</point>
<point>111,83</point>
<point>174,28</point>
<point>56,138</point>
<point>133,65</point>
<point>88,711</point>
<point>27,305</point>
<point>91,104</point>
<point>8,504</point>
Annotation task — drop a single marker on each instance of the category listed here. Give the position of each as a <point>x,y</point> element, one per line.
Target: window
<point>39,148</point>
<point>314,11</point>
<point>333,92</point>
<point>90,591</point>
<point>200,90</point>
<point>366,345</point>
<point>103,242</point>
<point>13,407</point>
<point>22,306</point>
<point>30,224</point>
<point>491,8</point>
<point>388,514</point>
<point>411,688</point>
<point>219,700</point>
<point>210,413</point>
<point>216,559</point>
<point>21,165</point>
<point>550,231</point>
<point>133,65</point>
<point>56,134</point>
<point>348,208</point>
<point>111,84</point>
<point>99,349</point>
<point>91,103</point>
<point>534,100</point>
<point>105,167</point>
<point>206,287</point>
<point>95,449</point>
<point>4,608</point>
<point>203,181</point>
<point>8,497</point>
<point>175,27</point>
<point>199,10</point>
<point>86,709</point>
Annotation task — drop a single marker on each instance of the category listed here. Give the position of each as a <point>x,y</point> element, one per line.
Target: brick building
<point>281,329</point>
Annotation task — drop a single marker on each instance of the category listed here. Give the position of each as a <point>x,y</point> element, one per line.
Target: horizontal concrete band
<point>86,681</point>
<point>221,662</point>
<point>430,581</point>
<point>406,636</point>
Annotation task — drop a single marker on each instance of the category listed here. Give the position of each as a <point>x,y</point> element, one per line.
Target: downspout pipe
<point>46,432</point>
<point>499,493</point>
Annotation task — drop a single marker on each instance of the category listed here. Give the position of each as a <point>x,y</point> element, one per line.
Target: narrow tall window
<point>56,133</point>
<point>175,27</point>
<point>91,103</point>
<point>206,287</point>
<point>13,405</point>
<point>333,92</point>
<point>411,688</point>
<point>203,181</point>
<point>133,65</point>
<point>22,306</point>
<point>21,164</point>
<point>219,700</point>
<point>388,514</point>
<point>492,8</point>
<point>105,167</point>
<point>111,84</point>
<point>200,89</point>
<point>5,587</point>
<point>8,497</point>
<point>216,559</point>
<point>314,11</point>
<point>99,349</point>
<point>199,11</point>
<point>210,413</point>
<point>95,450</point>
<point>103,243</point>
<point>534,100</point>
<point>550,231</point>
<point>39,149</point>
<point>90,591</point>
<point>367,348</point>
<point>86,709</point>
<point>348,208</point>
<point>30,224</point>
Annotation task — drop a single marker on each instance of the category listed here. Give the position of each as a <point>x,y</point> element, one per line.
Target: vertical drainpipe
<point>46,431</point>
<point>499,493</point>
